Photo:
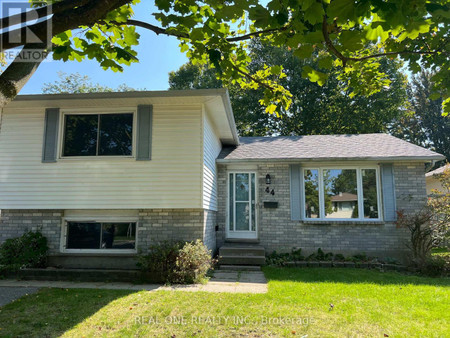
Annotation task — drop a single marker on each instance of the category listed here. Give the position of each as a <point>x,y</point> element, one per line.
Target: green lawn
<point>366,303</point>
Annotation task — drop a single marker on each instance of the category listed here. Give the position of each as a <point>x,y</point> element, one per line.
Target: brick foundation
<point>155,225</point>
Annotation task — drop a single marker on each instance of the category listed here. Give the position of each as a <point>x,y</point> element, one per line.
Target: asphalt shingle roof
<point>327,147</point>
<point>438,171</point>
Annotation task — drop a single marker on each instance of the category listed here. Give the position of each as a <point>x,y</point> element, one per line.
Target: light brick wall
<point>13,223</point>
<point>276,230</point>
<point>209,233</point>
<point>410,186</point>
<point>158,225</point>
<point>155,225</point>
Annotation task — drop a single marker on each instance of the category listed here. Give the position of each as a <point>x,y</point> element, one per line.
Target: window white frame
<point>245,234</point>
<point>99,111</point>
<point>118,219</point>
<point>358,169</point>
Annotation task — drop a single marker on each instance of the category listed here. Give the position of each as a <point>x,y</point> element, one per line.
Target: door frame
<point>242,234</point>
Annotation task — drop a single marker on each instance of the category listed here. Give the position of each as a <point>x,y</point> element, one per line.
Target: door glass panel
<point>311,179</point>
<point>253,202</point>
<point>242,188</point>
<point>369,185</point>
<point>242,216</point>
<point>231,203</point>
<point>341,194</point>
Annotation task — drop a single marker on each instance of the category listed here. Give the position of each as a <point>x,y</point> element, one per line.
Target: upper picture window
<point>98,135</point>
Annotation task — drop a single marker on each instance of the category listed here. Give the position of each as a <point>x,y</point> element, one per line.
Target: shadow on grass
<point>51,312</point>
<point>349,276</point>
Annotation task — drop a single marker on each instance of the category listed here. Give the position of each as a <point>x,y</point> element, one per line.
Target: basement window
<point>101,236</point>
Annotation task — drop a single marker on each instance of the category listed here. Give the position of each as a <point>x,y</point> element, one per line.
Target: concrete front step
<point>78,275</point>
<point>242,251</point>
<point>242,260</point>
<point>239,254</point>
<point>240,268</point>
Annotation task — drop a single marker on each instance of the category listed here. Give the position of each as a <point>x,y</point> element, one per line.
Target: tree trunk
<point>18,73</point>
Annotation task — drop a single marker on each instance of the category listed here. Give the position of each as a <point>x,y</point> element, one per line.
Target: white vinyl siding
<point>211,149</point>
<point>170,180</point>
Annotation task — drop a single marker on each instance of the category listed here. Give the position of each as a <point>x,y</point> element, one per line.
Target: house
<point>105,175</point>
<point>432,180</point>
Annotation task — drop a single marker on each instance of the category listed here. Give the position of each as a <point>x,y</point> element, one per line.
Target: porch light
<point>268,179</point>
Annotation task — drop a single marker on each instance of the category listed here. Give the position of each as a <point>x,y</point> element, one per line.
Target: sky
<point>158,56</point>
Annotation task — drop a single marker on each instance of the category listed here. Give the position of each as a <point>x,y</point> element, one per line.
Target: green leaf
<point>275,70</point>
<point>326,62</point>
<point>446,107</point>
<point>343,10</point>
<point>61,38</point>
<point>314,75</point>
<point>304,51</point>
<point>307,3</point>
<point>373,34</point>
<point>184,47</point>
<point>314,14</point>
<point>415,28</point>
<point>351,40</point>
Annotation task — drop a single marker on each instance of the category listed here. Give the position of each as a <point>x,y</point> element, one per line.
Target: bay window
<point>341,193</point>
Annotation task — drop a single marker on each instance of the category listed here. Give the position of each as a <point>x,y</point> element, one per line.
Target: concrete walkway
<point>222,281</point>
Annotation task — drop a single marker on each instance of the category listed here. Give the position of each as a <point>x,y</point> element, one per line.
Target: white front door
<point>242,211</point>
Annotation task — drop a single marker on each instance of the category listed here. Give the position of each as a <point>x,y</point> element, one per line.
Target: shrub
<point>27,251</point>
<point>296,255</point>
<point>193,262</point>
<point>439,202</point>
<point>435,266</point>
<point>160,262</point>
<point>360,258</point>
<point>176,262</point>
<point>275,258</point>
<point>339,257</point>
<point>421,230</point>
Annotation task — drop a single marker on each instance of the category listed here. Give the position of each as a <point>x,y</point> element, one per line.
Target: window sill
<point>91,253</point>
<point>331,222</point>
<point>96,158</point>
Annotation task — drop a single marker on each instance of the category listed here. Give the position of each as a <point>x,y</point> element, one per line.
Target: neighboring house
<point>344,205</point>
<point>106,175</point>
<point>432,179</point>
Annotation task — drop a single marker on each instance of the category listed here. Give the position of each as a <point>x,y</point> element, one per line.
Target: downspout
<point>433,162</point>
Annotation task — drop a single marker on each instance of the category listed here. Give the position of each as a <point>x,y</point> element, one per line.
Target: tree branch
<point>258,33</point>
<point>71,18</point>
<point>159,30</point>
<point>40,12</point>
<point>345,59</point>
<point>19,72</point>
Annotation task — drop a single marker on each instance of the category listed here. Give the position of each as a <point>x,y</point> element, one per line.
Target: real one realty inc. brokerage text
<point>222,320</point>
